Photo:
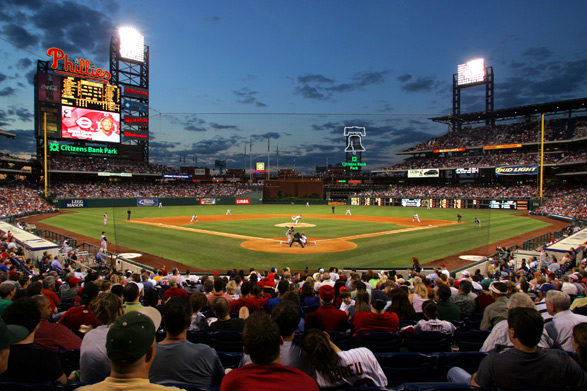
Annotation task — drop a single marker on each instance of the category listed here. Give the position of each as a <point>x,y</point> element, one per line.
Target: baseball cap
<point>132,334</point>
<point>378,299</point>
<point>11,334</point>
<point>73,281</point>
<point>466,273</point>
<point>326,293</point>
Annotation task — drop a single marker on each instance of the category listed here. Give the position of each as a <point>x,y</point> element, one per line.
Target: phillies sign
<point>79,66</point>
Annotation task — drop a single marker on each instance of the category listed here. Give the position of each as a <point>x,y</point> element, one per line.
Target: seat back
<point>226,341</point>
<point>470,341</point>
<point>408,367</point>
<point>428,342</point>
<point>379,341</point>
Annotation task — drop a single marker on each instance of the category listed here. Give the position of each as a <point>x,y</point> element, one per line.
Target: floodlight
<point>131,44</point>
<point>471,72</point>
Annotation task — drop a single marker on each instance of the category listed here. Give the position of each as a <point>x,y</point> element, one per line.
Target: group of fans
<point>136,329</point>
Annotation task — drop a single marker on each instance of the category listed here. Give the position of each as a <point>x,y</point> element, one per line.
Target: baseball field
<point>254,235</point>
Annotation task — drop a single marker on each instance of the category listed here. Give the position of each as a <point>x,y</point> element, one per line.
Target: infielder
<point>228,212</point>
<point>296,218</point>
<point>194,218</point>
<point>348,212</point>
<point>416,217</point>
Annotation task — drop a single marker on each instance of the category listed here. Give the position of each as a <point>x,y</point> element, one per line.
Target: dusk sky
<point>297,72</point>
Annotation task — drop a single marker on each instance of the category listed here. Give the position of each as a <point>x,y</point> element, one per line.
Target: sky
<point>288,76</point>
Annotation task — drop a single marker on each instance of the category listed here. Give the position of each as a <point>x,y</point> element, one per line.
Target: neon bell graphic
<point>354,135</point>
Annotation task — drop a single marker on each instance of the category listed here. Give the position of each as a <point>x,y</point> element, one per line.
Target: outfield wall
<point>451,203</point>
<point>245,199</point>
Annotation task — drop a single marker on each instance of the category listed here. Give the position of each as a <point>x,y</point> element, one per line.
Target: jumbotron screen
<point>93,125</point>
<point>90,94</point>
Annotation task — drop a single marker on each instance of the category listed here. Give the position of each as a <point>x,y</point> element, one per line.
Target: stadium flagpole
<point>541,158</point>
<point>45,142</point>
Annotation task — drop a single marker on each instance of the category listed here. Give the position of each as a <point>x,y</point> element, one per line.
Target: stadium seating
<point>470,341</point>
<point>225,341</point>
<point>379,341</point>
<point>404,367</point>
<point>428,342</point>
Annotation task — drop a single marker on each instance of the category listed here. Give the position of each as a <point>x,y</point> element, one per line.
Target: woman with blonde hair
<point>420,296</point>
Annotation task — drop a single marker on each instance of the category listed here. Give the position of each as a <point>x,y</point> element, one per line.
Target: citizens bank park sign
<point>516,170</point>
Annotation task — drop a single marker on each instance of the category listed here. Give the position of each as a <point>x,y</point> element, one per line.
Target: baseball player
<point>296,218</point>
<point>228,212</point>
<point>416,217</point>
<point>105,218</point>
<point>104,241</point>
<point>304,239</point>
<point>288,234</point>
<point>348,212</point>
<point>194,218</point>
<point>459,218</point>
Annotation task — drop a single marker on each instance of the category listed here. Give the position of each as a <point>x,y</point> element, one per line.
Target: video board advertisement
<point>49,114</point>
<point>93,125</point>
<point>49,87</point>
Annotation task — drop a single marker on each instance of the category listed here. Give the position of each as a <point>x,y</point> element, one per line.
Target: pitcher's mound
<point>275,245</point>
<point>300,225</point>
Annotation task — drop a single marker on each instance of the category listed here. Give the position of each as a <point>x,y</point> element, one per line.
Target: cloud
<point>24,63</point>
<point>7,91</point>
<point>248,97</point>
<point>404,78</point>
<point>19,36</point>
<point>22,113</point>
<point>216,126</point>
<point>421,84</point>
<point>320,87</point>
<point>212,19</point>
<point>538,53</point>
<point>3,77</point>
<point>317,79</point>
<point>193,124</point>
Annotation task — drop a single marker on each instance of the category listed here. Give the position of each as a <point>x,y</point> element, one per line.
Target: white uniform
<point>416,217</point>
<point>296,218</point>
<point>348,212</point>
<point>103,242</point>
<point>356,365</point>
<point>161,204</point>
<point>105,218</point>
<point>228,212</point>
<point>288,235</point>
<point>194,218</point>
<point>304,239</point>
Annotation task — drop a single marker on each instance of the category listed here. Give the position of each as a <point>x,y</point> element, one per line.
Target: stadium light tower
<point>473,73</point>
<point>129,67</point>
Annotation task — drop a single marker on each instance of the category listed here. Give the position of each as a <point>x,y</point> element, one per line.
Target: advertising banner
<point>516,170</point>
<point>49,88</point>
<point>74,203</point>
<point>207,201</point>
<point>147,202</point>
<point>468,170</point>
<point>52,113</point>
<point>425,173</point>
<point>242,201</point>
<point>409,202</point>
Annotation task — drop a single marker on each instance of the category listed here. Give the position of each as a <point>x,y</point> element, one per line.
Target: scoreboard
<point>89,94</point>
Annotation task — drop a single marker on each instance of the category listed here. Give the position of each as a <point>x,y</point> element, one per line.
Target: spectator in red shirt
<point>174,290</point>
<point>246,300</point>
<point>53,335</point>
<point>49,291</point>
<point>326,317</point>
<point>378,319</point>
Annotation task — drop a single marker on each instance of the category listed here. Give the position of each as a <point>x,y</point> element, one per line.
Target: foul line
<point>237,236</point>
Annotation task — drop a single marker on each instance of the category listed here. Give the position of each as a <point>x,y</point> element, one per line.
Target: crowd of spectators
<point>21,199</point>
<point>76,163</point>
<point>568,204</point>
<point>139,190</point>
<point>515,133</point>
<point>489,160</point>
<point>280,317</point>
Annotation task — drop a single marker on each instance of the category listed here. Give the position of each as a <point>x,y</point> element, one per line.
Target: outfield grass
<point>216,252</point>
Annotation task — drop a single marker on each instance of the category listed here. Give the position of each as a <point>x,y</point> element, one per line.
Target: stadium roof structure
<point>551,108</point>
<point>7,134</point>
